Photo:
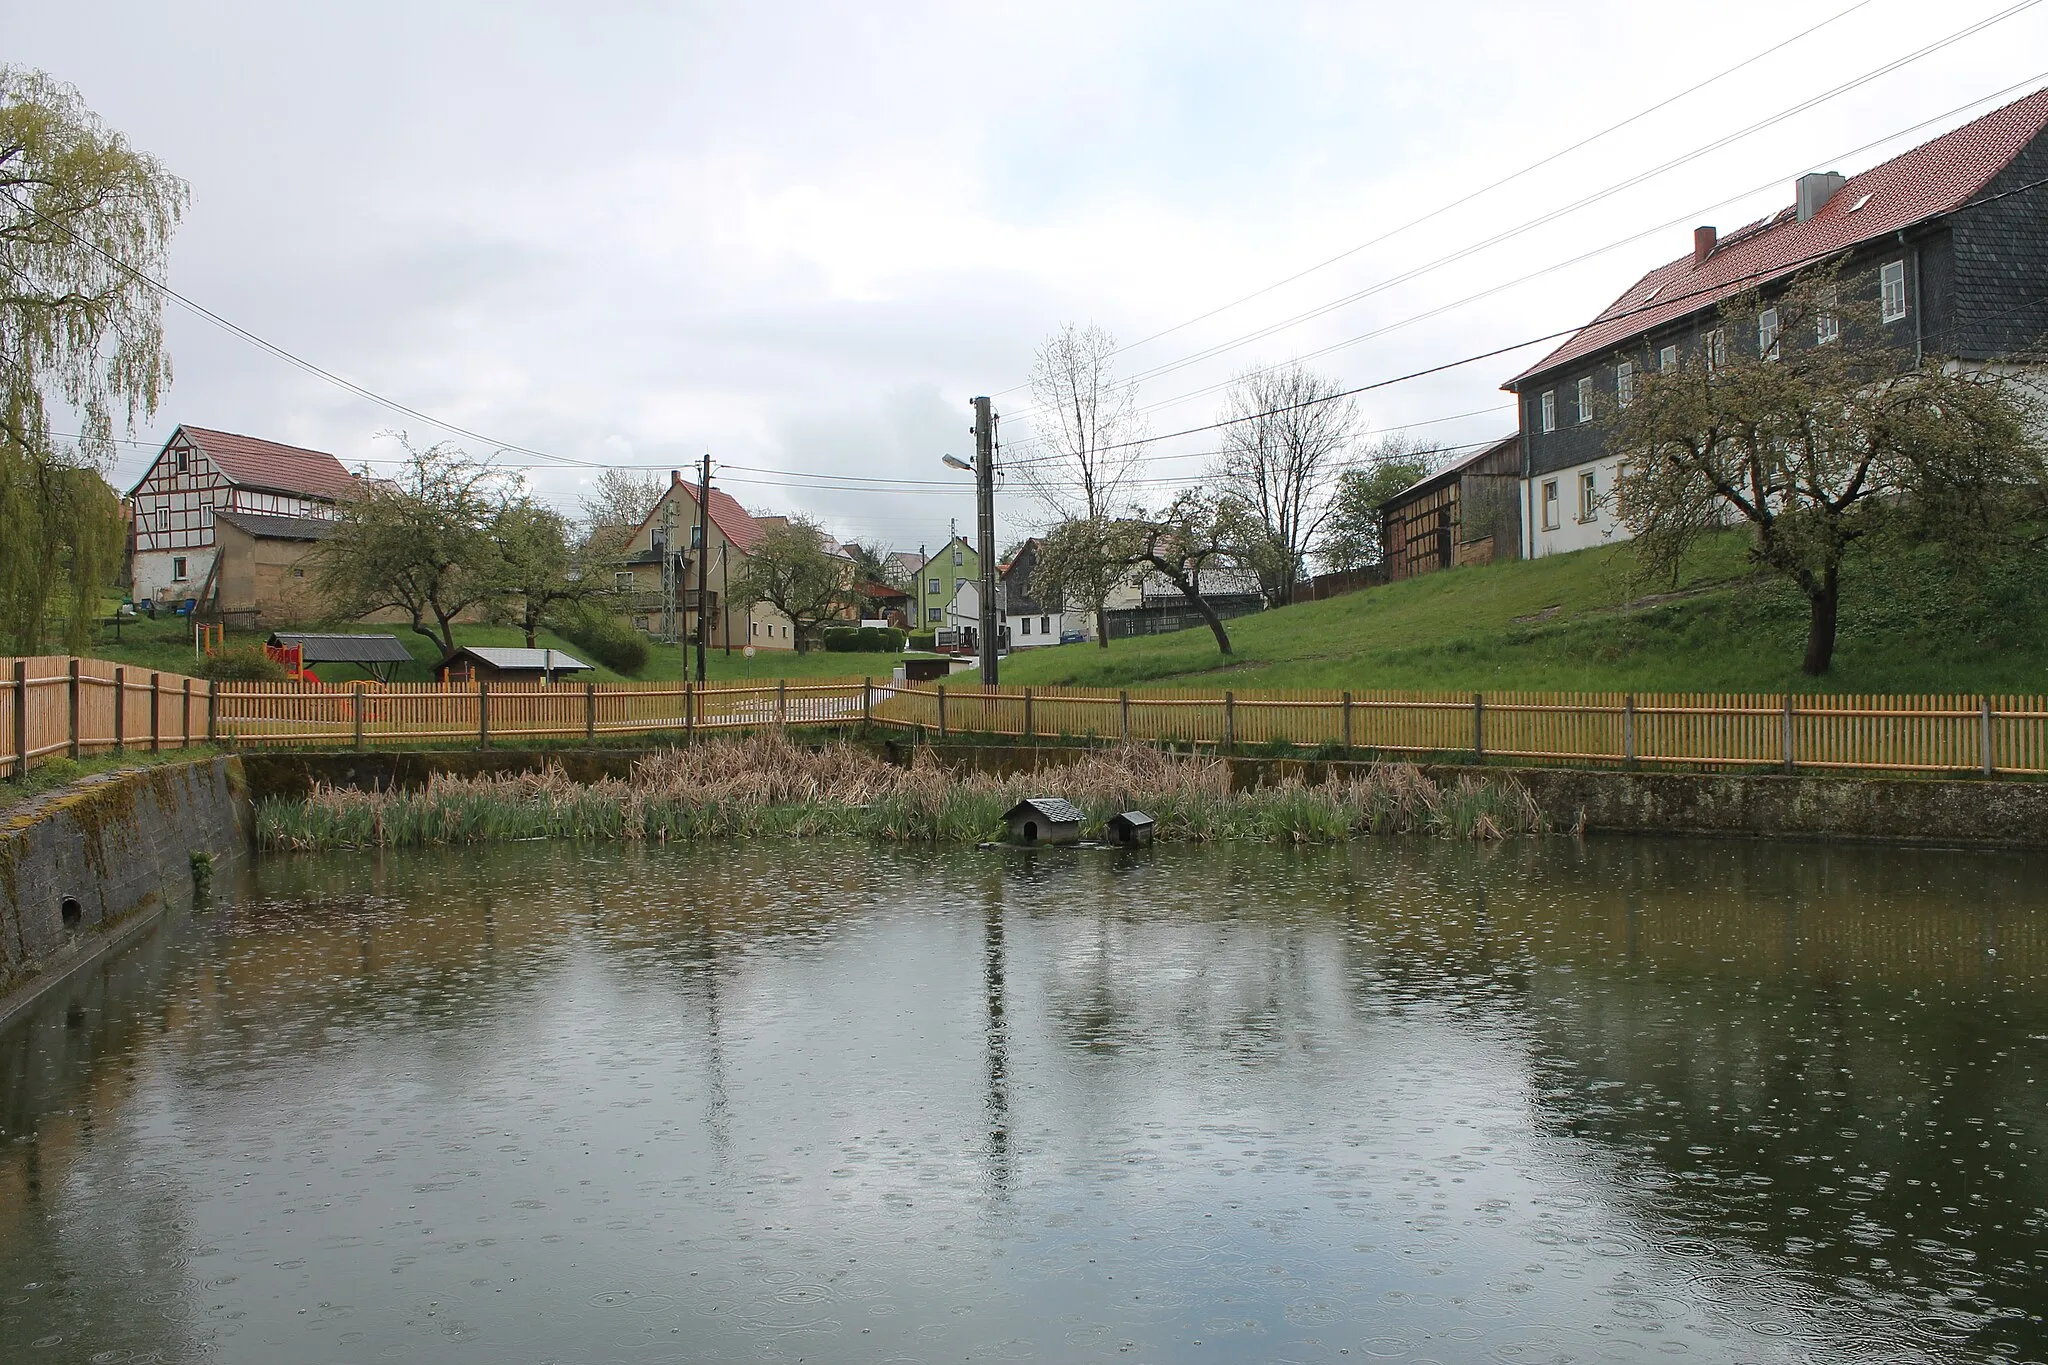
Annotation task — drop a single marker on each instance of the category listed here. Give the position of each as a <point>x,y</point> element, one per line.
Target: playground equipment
<point>208,638</point>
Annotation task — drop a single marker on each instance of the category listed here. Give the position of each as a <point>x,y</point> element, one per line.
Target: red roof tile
<point>254,463</point>
<point>1931,179</point>
<point>733,521</point>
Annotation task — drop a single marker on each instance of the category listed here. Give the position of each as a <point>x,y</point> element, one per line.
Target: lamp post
<point>984,471</point>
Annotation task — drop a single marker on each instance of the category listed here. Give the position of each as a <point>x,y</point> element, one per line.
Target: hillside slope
<point>1577,622</point>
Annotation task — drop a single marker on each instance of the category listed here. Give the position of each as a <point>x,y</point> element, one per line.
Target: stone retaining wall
<point>84,868</point>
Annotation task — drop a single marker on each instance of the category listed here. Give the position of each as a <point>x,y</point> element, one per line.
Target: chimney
<point>1815,190</point>
<point>675,476</point>
<point>1703,239</point>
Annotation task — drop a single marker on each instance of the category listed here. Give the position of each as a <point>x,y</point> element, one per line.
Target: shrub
<point>864,640</point>
<point>606,638</point>
<point>926,640</point>
<point>241,663</point>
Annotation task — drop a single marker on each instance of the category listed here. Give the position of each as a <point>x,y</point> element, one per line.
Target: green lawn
<point>166,646</point>
<point>1577,622</point>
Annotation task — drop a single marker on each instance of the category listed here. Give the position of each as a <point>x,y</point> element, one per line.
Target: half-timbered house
<point>175,551</point>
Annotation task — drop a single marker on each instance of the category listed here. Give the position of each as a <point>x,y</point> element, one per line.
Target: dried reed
<point>762,786</point>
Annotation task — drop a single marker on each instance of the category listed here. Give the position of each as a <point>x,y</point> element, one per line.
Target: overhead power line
<point>1491,186</point>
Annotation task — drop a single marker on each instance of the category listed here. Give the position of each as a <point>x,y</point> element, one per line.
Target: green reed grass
<point>763,787</point>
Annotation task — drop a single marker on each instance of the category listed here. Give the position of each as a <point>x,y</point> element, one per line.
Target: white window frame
<point>180,569</point>
<point>1767,334</point>
<point>1586,400</point>
<point>1045,625</point>
<point>1667,360</point>
<point>1025,628</point>
<point>1714,345</point>
<point>183,462</point>
<point>1548,406</point>
<point>932,590</point>
<point>933,615</point>
<point>1549,500</point>
<point>1624,383</point>
<point>1589,496</point>
<point>624,578</point>
<point>1827,327</point>
<point>959,555</point>
<point>1891,288</point>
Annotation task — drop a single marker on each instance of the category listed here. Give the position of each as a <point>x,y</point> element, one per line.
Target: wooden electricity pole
<point>985,500</point>
<point>703,551</point>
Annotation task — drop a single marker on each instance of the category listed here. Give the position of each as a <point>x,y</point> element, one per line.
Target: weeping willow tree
<point>85,224</point>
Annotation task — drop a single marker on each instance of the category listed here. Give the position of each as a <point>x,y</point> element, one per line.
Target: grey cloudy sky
<point>801,236</point>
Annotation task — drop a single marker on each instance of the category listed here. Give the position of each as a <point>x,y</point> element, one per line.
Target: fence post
<point>356,715</point>
<point>689,711</point>
<point>1984,739</point>
<point>483,714</point>
<point>156,698</point>
<point>20,718</point>
<point>942,710</point>
<point>212,712</point>
<point>1628,730</point>
<point>1788,733</point>
<point>1030,730</point>
<point>1230,720</point>
<point>1347,722</point>
<point>867,703</point>
<point>1479,726</point>
<point>73,706</point>
<point>1123,706</point>
<point>781,702</point>
<point>185,718</point>
<point>589,712</point>
<point>120,709</point>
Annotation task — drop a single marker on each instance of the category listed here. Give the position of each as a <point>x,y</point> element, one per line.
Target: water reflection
<point>1397,1101</point>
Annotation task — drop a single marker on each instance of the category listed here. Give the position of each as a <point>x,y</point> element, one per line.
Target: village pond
<point>1392,1100</point>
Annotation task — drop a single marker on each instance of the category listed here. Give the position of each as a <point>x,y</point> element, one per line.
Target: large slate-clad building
<point>1950,240</point>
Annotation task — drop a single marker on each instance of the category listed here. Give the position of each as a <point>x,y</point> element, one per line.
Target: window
<point>1550,504</point>
<point>1667,359</point>
<point>1549,422</point>
<point>959,555</point>
<point>1586,399</point>
<point>1892,289</point>
<point>1767,334</point>
<point>754,628</point>
<point>933,591</point>
<point>1589,496</point>
<point>298,573</point>
<point>184,460</point>
<point>1045,625</point>
<point>933,615</point>
<point>1827,327</point>
<point>1716,349</point>
<point>1026,627</point>
<point>1624,383</point>
<point>623,578</point>
<point>177,568</point>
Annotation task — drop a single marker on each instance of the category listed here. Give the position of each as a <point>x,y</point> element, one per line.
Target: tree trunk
<point>1193,594</point>
<point>1101,626</point>
<point>1825,601</point>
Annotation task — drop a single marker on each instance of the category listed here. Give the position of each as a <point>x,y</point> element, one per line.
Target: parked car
<point>1073,637</point>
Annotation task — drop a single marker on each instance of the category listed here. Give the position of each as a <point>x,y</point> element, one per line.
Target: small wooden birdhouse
<point>1044,820</point>
<point>1133,828</point>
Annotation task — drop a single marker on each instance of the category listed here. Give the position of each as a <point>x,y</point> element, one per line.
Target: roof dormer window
<point>1860,202</point>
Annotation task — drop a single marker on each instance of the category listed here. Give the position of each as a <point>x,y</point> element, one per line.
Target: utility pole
<point>703,548</point>
<point>665,543</point>
<point>985,498</point>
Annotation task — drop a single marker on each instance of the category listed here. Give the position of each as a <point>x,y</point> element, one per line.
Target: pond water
<point>1396,1101</point>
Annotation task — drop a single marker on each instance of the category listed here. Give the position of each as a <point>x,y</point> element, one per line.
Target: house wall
<point>274,579</point>
<point>2000,265</point>
<point>948,575</point>
<point>1576,529</point>
<point>738,626</point>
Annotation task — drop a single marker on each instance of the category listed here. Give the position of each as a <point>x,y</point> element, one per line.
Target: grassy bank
<point>1583,622</point>
<point>51,773</point>
<point>764,787</point>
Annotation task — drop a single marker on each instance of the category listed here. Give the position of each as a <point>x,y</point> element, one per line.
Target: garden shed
<point>1044,820</point>
<point>488,663</point>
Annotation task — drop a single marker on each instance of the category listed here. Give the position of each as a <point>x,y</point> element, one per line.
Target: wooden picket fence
<point>59,705</point>
<point>1870,733</point>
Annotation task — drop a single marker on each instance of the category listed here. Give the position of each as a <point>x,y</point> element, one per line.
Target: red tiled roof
<point>1931,179</point>
<point>733,521</point>
<point>254,463</point>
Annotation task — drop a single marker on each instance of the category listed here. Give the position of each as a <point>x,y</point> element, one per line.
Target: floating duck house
<point>1132,828</point>
<point>1044,820</point>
